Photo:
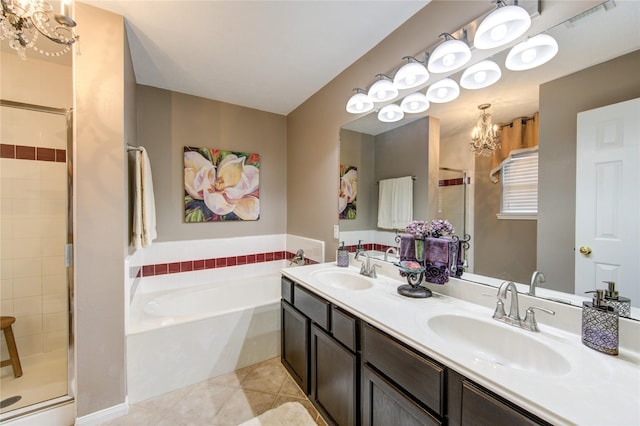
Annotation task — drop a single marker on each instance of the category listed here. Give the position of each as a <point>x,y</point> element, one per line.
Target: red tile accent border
<point>370,246</point>
<point>453,182</point>
<point>220,262</point>
<point>37,153</point>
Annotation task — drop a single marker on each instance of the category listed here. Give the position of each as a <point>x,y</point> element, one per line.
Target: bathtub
<point>179,337</point>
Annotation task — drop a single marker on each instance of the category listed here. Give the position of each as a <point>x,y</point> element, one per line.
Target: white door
<point>608,199</point>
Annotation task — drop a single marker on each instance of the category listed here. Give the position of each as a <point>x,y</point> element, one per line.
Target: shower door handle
<point>68,255</point>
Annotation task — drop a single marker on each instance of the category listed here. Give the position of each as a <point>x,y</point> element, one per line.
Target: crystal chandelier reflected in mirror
<point>484,137</point>
<point>35,24</point>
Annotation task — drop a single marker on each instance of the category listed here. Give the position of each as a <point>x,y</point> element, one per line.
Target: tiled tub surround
<point>593,379</point>
<point>187,327</point>
<point>33,179</point>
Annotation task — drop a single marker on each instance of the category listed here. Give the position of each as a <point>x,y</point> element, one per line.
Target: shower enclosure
<point>455,201</point>
<point>36,238</point>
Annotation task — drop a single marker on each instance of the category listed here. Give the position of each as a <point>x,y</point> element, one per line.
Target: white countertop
<point>595,389</point>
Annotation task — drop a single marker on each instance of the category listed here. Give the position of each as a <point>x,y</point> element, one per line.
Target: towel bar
<point>132,148</point>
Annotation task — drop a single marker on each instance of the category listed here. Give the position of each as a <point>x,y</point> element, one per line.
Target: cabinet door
<point>481,408</point>
<point>383,404</point>
<point>295,345</point>
<point>334,378</point>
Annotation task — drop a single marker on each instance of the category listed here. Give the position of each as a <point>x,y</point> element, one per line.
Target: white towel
<point>144,205</point>
<point>395,203</point>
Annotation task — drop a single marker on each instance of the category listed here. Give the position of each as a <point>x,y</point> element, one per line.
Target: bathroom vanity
<point>366,355</point>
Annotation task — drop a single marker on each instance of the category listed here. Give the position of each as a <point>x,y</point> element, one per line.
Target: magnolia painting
<point>220,185</point>
<point>348,192</point>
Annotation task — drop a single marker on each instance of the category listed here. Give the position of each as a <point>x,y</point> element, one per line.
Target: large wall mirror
<point>597,65</point>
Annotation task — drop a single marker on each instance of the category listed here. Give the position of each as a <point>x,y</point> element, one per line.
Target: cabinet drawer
<point>286,289</point>
<point>314,307</point>
<point>344,328</point>
<point>422,378</point>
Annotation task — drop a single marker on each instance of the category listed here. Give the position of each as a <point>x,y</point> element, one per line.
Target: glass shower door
<point>35,219</point>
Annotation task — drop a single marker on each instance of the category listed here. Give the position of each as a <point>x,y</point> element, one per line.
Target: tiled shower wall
<point>33,179</point>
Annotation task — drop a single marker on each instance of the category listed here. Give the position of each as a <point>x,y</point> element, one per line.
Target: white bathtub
<point>180,337</point>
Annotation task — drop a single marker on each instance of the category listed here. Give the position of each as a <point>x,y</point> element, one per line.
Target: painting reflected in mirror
<point>452,183</point>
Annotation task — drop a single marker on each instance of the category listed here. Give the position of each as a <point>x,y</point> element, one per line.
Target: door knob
<point>585,250</point>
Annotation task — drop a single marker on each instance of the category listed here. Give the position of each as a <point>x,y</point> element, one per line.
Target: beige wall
<point>503,249</point>
<point>169,121</point>
<point>357,149</point>
<point>100,209</point>
<point>313,128</point>
<point>411,150</point>
<point>560,101</point>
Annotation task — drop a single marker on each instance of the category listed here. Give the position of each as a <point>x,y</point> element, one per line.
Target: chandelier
<point>484,137</point>
<point>34,24</point>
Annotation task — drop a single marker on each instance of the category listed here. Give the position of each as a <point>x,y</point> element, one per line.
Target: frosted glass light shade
<point>359,103</point>
<point>390,113</point>
<point>480,75</point>
<point>383,90</point>
<point>532,53</point>
<point>443,91</point>
<point>448,56</point>
<point>502,26</point>
<point>411,75</point>
<point>415,103</point>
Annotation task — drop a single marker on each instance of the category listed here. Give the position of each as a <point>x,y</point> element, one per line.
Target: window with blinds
<point>520,186</point>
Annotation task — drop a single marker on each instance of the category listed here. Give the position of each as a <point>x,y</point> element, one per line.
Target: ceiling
<point>267,55</point>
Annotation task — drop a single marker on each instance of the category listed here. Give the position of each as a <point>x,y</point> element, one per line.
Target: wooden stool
<point>14,360</point>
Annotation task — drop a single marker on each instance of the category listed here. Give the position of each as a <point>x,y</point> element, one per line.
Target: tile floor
<point>229,399</point>
<point>44,377</point>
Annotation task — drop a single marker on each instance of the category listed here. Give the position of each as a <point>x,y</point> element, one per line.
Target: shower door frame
<point>467,211</point>
<point>68,259</point>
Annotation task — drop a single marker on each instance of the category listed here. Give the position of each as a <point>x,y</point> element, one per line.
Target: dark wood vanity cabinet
<point>397,381</point>
<point>295,345</point>
<point>356,374</point>
<point>320,351</point>
<point>470,404</point>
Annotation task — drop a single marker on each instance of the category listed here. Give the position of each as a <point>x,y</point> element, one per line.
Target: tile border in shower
<point>37,153</point>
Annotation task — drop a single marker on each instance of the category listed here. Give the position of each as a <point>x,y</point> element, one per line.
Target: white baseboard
<point>103,416</point>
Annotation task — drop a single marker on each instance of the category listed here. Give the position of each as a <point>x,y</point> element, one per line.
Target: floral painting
<point>348,192</point>
<point>220,185</point>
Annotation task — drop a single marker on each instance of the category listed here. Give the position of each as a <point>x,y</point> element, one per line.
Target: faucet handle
<point>499,312</point>
<point>530,322</point>
<point>372,271</point>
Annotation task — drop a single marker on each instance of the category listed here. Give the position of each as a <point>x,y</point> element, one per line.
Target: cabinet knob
<point>585,250</point>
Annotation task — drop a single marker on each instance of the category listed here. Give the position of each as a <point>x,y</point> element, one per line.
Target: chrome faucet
<point>513,318</point>
<point>537,277</point>
<point>392,250</point>
<point>367,269</point>
<point>298,259</point>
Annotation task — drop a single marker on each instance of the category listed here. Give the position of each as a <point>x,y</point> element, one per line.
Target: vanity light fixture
<point>443,91</point>
<point>502,26</point>
<point>532,53</point>
<point>359,103</point>
<point>383,89</point>
<point>34,24</point>
<point>390,113</point>
<point>484,137</point>
<point>415,103</point>
<point>411,74</point>
<point>480,75</point>
<point>449,55</point>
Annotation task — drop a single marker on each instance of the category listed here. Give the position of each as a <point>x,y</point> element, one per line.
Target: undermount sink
<point>498,344</point>
<point>346,279</point>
